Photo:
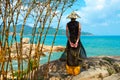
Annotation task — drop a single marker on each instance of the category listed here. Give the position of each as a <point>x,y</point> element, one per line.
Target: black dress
<point>74,54</point>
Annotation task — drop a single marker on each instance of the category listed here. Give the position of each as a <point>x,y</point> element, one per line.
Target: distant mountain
<point>28,30</point>
<point>86,33</point>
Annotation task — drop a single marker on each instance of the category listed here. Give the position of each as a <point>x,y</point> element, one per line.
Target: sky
<point>99,17</point>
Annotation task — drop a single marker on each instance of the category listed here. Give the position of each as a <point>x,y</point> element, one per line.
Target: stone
<point>25,40</point>
<point>54,78</point>
<point>113,77</point>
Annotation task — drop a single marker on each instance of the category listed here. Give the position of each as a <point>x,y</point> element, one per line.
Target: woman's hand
<point>76,44</point>
<point>72,44</point>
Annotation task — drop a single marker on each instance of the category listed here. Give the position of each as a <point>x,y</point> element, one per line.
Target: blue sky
<point>100,17</point>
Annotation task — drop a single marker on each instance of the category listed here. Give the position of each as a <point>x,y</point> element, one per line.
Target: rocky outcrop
<point>26,48</point>
<point>113,77</point>
<point>94,68</point>
<point>25,40</point>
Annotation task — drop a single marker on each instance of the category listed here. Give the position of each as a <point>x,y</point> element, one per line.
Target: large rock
<point>96,73</point>
<point>99,68</point>
<point>26,48</point>
<point>113,77</point>
<point>25,40</point>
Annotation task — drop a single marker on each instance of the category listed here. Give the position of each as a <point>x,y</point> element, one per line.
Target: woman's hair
<point>73,19</point>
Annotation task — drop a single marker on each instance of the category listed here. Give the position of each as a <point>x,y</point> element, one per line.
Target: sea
<point>94,46</point>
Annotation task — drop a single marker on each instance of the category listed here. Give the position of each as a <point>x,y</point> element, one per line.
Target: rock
<point>54,78</point>
<point>91,73</point>
<point>97,70</point>
<point>113,77</point>
<point>27,47</point>
<point>25,40</point>
<point>55,48</point>
<point>58,48</point>
<point>116,66</point>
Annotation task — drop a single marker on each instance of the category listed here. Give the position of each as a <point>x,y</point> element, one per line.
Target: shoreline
<point>94,68</point>
<point>10,34</point>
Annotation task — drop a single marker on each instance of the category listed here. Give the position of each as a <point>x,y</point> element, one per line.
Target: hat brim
<point>73,15</point>
<point>70,17</point>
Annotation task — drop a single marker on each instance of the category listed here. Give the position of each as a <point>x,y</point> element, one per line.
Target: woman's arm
<point>67,34</point>
<point>78,37</point>
<point>79,32</point>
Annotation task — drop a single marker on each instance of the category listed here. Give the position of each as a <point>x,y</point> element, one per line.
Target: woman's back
<point>73,27</point>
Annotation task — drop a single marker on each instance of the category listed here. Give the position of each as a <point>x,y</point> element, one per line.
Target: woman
<point>75,51</point>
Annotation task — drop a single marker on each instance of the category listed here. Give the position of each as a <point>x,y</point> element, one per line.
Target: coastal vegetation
<point>15,12</point>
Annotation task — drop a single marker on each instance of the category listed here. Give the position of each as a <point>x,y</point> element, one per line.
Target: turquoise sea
<point>94,46</point>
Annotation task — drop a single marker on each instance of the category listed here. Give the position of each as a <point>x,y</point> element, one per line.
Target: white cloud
<point>99,11</point>
<point>97,14</point>
<point>24,7</point>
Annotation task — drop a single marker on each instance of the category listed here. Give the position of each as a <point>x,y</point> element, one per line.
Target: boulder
<point>25,40</point>
<point>113,77</point>
<point>98,69</point>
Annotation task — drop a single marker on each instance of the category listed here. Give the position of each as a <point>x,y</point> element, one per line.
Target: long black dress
<point>74,54</point>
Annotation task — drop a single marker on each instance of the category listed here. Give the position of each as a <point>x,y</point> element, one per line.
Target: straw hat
<point>73,15</point>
